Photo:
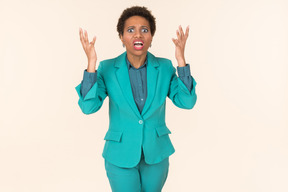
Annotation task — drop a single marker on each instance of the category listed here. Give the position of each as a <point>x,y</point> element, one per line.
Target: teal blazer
<point>128,129</point>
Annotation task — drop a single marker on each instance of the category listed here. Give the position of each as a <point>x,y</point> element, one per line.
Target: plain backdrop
<point>233,140</point>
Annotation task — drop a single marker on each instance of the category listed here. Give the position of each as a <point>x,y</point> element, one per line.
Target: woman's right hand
<point>89,50</point>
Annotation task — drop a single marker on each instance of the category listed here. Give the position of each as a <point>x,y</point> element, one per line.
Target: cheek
<point>124,37</point>
<point>149,39</point>
<point>127,39</point>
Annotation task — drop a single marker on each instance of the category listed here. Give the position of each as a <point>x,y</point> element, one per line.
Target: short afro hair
<point>136,11</point>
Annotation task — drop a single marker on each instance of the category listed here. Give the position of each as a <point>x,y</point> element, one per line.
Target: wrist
<point>181,62</point>
<point>91,69</point>
<point>91,66</point>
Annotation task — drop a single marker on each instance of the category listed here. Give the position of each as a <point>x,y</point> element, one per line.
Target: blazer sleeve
<point>179,93</point>
<point>95,97</point>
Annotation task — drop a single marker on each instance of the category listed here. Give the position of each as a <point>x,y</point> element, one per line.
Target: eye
<point>145,30</point>
<point>131,30</point>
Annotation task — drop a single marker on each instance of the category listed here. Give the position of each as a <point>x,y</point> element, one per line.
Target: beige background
<point>234,140</point>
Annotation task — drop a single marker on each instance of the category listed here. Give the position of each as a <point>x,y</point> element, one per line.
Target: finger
<point>181,31</point>
<point>187,32</point>
<point>178,34</point>
<point>81,34</point>
<point>175,41</point>
<point>93,41</point>
<point>86,37</point>
<point>81,37</point>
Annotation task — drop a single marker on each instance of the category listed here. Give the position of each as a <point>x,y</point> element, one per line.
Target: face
<point>136,36</point>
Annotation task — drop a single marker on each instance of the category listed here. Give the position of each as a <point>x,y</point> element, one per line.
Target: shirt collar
<point>130,65</point>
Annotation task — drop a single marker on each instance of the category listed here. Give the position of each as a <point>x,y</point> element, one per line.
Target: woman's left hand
<point>180,45</point>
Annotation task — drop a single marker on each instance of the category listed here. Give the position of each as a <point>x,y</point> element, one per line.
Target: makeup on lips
<point>138,44</point>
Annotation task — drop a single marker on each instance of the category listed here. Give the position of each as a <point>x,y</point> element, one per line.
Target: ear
<point>121,37</point>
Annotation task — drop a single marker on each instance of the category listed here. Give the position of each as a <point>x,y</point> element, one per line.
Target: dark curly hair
<point>136,11</point>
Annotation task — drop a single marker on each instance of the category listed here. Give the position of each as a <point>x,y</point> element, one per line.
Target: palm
<point>180,43</point>
<point>88,46</point>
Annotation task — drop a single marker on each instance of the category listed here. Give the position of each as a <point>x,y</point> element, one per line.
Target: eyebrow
<point>141,26</point>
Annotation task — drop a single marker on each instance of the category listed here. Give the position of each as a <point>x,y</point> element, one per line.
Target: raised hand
<point>89,50</point>
<point>180,45</point>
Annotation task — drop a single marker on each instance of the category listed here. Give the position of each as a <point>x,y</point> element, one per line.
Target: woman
<point>137,146</point>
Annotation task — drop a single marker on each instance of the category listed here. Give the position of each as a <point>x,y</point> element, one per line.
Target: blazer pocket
<point>113,135</point>
<point>162,130</point>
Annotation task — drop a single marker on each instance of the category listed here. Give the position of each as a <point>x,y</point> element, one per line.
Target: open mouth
<point>138,44</point>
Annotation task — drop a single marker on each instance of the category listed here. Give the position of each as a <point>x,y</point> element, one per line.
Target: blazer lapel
<point>122,75</point>
<point>152,76</point>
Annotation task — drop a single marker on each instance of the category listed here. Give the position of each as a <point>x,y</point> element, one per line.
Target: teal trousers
<point>141,178</point>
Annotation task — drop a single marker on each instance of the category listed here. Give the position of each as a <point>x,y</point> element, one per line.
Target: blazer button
<point>140,122</point>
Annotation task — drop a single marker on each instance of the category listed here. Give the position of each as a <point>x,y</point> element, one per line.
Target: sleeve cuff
<point>90,77</point>
<point>184,71</point>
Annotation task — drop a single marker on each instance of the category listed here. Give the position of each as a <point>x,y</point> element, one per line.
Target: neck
<point>136,61</point>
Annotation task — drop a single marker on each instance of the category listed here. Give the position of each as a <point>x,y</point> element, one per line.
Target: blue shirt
<point>138,80</point>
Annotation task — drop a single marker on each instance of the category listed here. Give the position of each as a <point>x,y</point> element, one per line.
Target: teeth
<point>138,43</point>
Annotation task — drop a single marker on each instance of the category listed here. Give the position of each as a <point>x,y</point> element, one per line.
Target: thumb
<point>93,41</point>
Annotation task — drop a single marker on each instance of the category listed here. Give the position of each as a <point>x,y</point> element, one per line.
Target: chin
<point>138,53</point>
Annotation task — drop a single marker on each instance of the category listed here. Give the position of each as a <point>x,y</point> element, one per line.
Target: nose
<point>138,34</point>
